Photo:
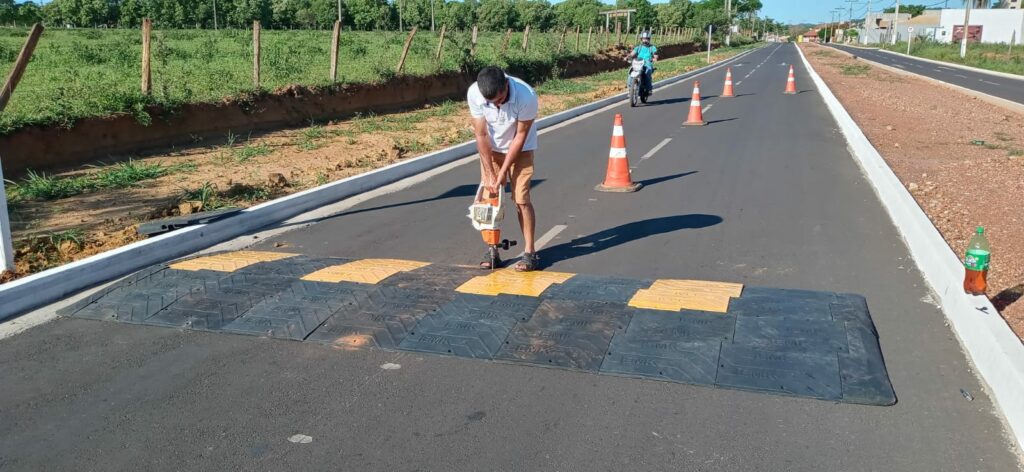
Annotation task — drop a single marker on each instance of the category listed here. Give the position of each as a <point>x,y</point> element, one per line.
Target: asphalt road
<point>766,195</point>
<point>997,86</point>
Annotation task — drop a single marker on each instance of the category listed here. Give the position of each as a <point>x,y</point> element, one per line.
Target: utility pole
<point>864,40</point>
<point>214,15</point>
<point>895,23</point>
<point>431,15</point>
<point>339,11</point>
<point>967,20</point>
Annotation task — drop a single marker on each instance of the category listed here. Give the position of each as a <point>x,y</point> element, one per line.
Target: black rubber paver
<point>381,317</point>
<point>566,333</point>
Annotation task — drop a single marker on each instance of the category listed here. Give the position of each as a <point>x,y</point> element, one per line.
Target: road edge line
<point>992,99</point>
<point>993,348</point>
<point>37,290</point>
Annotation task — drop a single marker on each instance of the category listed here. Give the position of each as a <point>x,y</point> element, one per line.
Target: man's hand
<point>494,183</point>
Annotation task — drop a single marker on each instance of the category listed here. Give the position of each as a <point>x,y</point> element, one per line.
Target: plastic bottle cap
<point>981,230</point>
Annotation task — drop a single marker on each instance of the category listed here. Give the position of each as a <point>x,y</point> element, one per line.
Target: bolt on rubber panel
<point>787,373</point>
<point>432,277</point>
<point>566,333</point>
<point>296,267</point>
<point>470,325</point>
<point>865,378</point>
<point>379,318</point>
<point>686,325</point>
<point>229,261</point>
<point>597,289</point>
<point>790,334</point>
<point>691,362</point>
<point>135,300</point>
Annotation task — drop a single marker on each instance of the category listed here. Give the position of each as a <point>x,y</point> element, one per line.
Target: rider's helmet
<point>645,36</point>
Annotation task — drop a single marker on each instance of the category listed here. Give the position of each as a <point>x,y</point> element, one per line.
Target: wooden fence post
<point>504,42</point>
<point>472,47</point>
<point>256,53</point>
<point>440,44</point>
<point>618,33</point>
<point>147,76</point>
<point>526,38</point>
<point>405,51</point>
<point>20,64</point>
<point>577,38</point>
<point>590,31</point>
<point>335,37</point>
<point>561,39</point>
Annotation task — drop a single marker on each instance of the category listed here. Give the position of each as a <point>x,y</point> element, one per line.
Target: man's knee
<point>524,208</point>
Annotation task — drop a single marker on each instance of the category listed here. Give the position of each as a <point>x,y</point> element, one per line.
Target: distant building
<point>946,25</point>
<point>1014,4</point>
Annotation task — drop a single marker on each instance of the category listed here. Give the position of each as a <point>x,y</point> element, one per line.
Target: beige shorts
<point>519,174</point>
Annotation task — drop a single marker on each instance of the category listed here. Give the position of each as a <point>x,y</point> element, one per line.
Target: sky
<point>820,11</point>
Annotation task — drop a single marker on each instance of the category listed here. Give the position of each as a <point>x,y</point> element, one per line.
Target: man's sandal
<point>486,263</point>
<point>529,262</point>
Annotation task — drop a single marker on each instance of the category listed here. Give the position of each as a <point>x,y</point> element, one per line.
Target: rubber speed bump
<point>230,261</point>
<point>364,271</point>
<point>510,282</point>
<point>675,295</point>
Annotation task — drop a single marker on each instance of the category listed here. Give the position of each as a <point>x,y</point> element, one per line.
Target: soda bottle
<point>976,263</point>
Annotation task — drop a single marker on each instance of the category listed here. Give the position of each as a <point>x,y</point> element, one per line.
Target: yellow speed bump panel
<point>231,261</point>
<point>364,271</point>
<point>675,295</point>
<point>510,282</point>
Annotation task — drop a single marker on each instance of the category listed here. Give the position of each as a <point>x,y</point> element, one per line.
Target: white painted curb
<point>958,66</point>
<point>995,350</point>
<point>51,285</point>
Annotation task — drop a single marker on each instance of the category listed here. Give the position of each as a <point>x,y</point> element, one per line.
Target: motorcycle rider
<point>649,53</point>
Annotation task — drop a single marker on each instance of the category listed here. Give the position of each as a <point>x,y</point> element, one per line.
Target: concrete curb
<point>1002,102</point>
<point>51,285</point>
<point>958,66</point>
<point>995,350</point>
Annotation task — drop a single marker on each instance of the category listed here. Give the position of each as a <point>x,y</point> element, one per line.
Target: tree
<point>52,15</point>
<point>29,13</point>
<point>582,13</point>
<point>537,13</point>
<point>644,16</point>
<point>369,14</point>
<point>496,15</point>
<point>458,15</point>
<point>674,13</point>
<point>8,12</point>
<point>914,10</point>
<point>245,11</point>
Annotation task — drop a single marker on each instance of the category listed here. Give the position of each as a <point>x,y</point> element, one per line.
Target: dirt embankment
<point>97,138</point>
<point>961,158</point>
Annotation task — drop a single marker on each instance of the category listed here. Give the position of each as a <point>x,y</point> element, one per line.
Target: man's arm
<point>514,149</point>
<point>483,146</point>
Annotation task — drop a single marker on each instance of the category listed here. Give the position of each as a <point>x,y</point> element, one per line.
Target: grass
<point>42,186</point>
<point>81,73</point>
<point>74,236</point>
<point>855,69</point>
<point>984,56</point>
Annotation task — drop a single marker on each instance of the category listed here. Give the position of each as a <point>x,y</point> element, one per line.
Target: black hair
<point>491,81</point>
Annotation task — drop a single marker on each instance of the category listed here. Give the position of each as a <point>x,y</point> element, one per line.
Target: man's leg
<point>527,221</point>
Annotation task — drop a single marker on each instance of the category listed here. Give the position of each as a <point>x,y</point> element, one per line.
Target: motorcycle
<point>637,88</point>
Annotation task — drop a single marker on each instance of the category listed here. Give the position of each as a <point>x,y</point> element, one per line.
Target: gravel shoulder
<point>961,158</point>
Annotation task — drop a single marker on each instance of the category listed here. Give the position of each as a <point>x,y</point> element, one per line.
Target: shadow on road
<point>461,191</point>
<point>623,234</point>
<point>1007,297</point>
<point>669,101</point>
<point>658,180</point>
<point>721,121</point>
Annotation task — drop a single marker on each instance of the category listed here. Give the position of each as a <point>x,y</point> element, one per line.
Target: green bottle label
<point>976,259</point>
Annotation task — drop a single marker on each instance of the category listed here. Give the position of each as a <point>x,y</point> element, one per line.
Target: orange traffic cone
<point>617,178</point>
<point>696,117</point>
<point>727,91</point>
<point>790,83</point>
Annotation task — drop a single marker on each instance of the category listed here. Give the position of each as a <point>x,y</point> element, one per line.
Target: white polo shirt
<point>501,121</point>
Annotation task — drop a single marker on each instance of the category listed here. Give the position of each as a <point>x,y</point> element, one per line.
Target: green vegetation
<point>855,69</point>
<point>41,186</point>
<point>995,57</point>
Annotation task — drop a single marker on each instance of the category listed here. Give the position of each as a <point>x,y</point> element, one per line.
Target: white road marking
<point>944,67</point>
<point>740,82</point>
<point>655,149</point>
<point>705,110</point>
<point>301,439</point>
<point>391,366</point>
<point>546,238</point>
<point>987,82</point>
<point>961,76</point>
<point>897,65</point>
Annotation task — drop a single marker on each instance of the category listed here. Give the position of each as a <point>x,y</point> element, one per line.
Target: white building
<point>997,25</point>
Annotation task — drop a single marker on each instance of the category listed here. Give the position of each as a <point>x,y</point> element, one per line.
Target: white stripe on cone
<point>617,153</point>
<point>695,103</point>
<point>617,131</point>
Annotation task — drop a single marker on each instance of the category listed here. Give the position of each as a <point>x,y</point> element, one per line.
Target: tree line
<point>489,15</point>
